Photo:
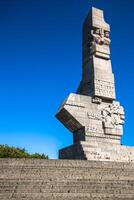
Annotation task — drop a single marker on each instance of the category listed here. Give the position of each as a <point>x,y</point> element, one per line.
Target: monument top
<point>96,19</point>
<point>97,77</point>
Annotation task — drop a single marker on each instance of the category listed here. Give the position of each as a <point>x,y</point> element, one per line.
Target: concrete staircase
<point>33,179</point>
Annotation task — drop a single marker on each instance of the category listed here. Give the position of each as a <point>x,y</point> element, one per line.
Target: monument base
<point>99,151</point>
<point>97,129</point>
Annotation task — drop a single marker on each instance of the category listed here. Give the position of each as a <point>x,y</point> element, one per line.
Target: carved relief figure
<point>100,36</point>
<point>112,115</point>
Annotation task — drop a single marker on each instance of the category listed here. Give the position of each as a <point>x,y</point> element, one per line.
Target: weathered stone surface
<point>34,179</point>
<point>97,76</point>
<point>87,117</point>
<point>93,115</point>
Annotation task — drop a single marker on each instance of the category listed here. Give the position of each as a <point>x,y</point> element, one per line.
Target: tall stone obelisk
<point>92,114</point>
<point>97,76</point>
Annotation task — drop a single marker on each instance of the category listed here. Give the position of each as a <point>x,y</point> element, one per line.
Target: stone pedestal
<point>96,128</point>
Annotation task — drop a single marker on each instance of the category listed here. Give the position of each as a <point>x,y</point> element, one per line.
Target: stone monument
<point>95,118</point>
<point>92,114</point>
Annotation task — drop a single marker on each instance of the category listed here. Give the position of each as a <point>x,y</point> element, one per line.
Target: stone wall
<point>34,179</point>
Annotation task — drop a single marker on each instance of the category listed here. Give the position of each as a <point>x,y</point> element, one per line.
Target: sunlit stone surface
<point>92,114</point>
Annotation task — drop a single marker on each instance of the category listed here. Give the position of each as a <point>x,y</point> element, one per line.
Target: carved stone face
<point>101,32</point>
<point>97,31</point>
<point>106,34</point>
<point>99,42</point>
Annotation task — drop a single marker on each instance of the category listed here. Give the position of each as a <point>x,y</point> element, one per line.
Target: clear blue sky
<point>40,64</point>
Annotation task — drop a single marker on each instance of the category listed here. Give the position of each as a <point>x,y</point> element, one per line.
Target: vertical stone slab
<point>97,76</point>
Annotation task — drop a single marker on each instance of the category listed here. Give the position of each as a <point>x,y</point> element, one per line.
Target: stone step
<point>66,189</point>
<point>40,163</point>
<point>71,195</point>
<point>99,186</point>
<point>75,189</point>
<point>31,179</point>
<point>71,173</point>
